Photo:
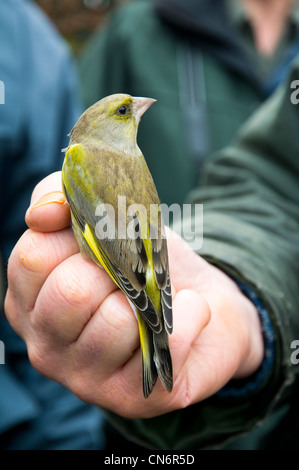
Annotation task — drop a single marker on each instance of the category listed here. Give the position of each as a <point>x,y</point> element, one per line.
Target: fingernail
<point>54,197</point>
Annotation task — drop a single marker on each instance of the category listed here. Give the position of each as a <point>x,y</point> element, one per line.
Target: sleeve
<point>250,197</point>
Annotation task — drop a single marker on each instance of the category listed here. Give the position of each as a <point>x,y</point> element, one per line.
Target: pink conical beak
<point>140,105</point>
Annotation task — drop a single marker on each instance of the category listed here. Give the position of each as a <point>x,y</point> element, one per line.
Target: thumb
<point>48,211</point>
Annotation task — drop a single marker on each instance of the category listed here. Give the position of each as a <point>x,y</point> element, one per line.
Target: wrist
<point>253,352</point>
<point>254,382</point>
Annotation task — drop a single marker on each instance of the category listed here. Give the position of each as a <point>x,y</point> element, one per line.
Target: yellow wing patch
<point>151,289</point>
<point>93,245</point>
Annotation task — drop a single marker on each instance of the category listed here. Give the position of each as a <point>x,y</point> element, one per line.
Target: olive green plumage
<point>102,163</point>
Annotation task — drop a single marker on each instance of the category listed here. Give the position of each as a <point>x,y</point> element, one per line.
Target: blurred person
<point>209,63</point>
<point>39,107</point>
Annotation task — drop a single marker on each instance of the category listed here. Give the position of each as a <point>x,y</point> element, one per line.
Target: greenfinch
<point>102,166</point>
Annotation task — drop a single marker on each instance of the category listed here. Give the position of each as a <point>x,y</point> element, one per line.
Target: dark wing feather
<point>160,261</point>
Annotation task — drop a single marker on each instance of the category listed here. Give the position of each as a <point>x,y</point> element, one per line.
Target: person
<point>228,379</point>
<point>209,64</point>
<point>39,105</point>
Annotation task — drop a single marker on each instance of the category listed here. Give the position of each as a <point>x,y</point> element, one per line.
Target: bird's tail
<point>156,358</point>
<point>149,371</point>
<point>162,359</point>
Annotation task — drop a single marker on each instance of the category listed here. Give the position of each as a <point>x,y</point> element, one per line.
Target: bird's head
<point>113,120</point>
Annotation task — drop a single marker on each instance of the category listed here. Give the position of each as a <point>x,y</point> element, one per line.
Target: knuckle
<point>71,288</point>
<point>78,387</point>
<point>13,271</point>
<point>84,385</point>
<point>37,252</point>
<point>11,312</point>
<point>31,253</point>
<point>117,313</point>
<point>44,359</point>
<point>38,357</point>
<point>183,393</point>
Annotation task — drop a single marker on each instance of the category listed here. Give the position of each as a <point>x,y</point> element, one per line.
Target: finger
<point>191,315</point>
<point>33,259</point>
<point>110,341</point>
<point>48,209</point>
<point>111,334</point>
<point>69,298</point>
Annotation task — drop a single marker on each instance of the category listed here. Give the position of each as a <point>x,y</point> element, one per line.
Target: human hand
<point>81,331</point>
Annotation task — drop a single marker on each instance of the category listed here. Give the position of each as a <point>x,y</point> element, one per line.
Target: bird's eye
<point>122,110</point>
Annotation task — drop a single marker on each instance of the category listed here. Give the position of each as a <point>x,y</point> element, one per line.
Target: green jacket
<point>250,194</point>
<point>204,94</point>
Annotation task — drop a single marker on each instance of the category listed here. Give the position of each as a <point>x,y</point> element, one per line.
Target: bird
<point>103,165</point>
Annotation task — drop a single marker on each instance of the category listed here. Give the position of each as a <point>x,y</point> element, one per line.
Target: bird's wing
<point>160,263</point>
<point>158,258</point>
<point>111,254</point>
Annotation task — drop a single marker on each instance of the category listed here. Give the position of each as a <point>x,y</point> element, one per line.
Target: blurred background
<point>77,19</point>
